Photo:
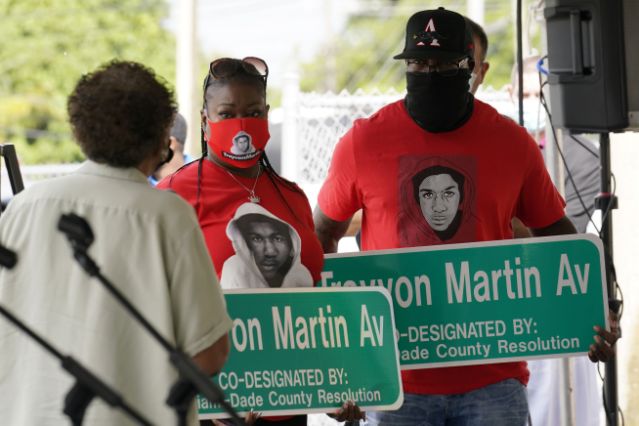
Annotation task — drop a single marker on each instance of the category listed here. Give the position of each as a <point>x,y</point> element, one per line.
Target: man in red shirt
<point>441,167</point>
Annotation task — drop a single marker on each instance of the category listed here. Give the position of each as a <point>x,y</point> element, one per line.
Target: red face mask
<point>238,142</point>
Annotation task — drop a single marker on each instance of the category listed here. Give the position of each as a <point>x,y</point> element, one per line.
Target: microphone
<point>87,385</point>
<point>80,235</point>
<point>192,378</point>
<point>77,230</point>
<point>8,258</point>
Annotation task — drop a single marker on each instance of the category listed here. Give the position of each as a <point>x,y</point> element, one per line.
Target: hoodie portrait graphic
<point>267,252</point>
<point>437,201</point>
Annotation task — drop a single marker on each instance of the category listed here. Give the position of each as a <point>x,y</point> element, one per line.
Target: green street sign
<point>497,301</point>
<point>307,350</point>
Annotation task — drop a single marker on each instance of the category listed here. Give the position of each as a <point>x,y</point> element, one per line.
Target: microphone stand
<point>606,201</point>
<point>87,385</point>
<point>192,378</point>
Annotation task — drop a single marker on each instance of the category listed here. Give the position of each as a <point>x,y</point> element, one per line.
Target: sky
<point>278,31</point>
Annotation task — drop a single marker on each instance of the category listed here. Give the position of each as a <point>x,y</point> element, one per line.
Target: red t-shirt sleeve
<point>540,204</point>
<point>163,184</point>
<point>339,197</point>
<point>183,182</point>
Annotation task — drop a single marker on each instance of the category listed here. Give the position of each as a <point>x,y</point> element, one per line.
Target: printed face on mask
<point>235,123</point>
<point>238,142</point>
<point>241,144</point>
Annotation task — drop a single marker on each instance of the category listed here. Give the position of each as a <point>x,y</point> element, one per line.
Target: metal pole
<point>555,166</point>
<point>475,9</point>
<point>567,400</point>
<point>566,395</point>
<point>290,142</point>
<point>551,156</point>
<point>330,65</point>
<point>606,202</point>
<point>520,61</point>
<point>185,72</point>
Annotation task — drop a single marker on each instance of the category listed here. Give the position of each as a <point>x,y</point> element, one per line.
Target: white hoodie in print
<point>267,252</point>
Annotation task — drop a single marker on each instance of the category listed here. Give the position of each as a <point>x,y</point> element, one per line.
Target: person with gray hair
<point>180,158</point>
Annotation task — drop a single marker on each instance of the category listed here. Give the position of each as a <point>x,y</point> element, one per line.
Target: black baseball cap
<point>439,34</point>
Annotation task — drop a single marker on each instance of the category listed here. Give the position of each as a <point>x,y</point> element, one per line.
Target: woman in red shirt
<point>257,225</point>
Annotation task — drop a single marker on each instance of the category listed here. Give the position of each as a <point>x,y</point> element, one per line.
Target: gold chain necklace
<point>252,197</point>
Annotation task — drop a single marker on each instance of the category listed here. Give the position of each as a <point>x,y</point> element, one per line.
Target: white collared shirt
<point>149,244</point>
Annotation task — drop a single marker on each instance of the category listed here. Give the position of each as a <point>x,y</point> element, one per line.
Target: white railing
<point>33,174</point>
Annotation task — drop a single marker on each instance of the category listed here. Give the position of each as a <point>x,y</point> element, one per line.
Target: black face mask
<point>168,158</point>
<point>438,103</point>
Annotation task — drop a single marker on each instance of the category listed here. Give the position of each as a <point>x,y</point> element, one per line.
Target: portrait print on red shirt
<point>437,200</point>
<point>267,252</point>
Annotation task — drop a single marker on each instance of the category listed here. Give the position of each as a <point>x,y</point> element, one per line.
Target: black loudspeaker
<point>586,64</point>
<point>631,41</point>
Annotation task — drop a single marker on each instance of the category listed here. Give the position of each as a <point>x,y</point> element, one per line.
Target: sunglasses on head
<point>227,67</point>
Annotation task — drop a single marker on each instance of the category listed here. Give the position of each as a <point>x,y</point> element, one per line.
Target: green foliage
<point>361,57</point>
<point>363,52</point>
<point>500,28</point>
<point>48,44</point>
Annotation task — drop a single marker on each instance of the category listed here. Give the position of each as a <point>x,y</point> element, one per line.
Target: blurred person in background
<point>480,41</point>
<point>178,139</point>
